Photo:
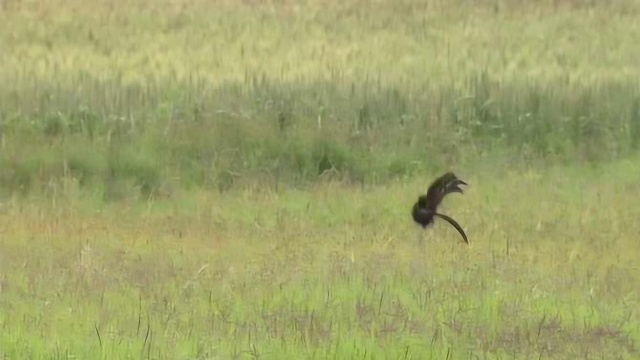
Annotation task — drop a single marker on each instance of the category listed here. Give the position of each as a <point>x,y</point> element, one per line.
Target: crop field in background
<point>190,179</point>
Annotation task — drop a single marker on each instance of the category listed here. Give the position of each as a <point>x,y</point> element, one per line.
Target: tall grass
<point>209,95</point>
<point>292,133</point>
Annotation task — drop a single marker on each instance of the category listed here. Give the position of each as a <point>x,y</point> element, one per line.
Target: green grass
<point>217,179</point>
<point>330,272</point>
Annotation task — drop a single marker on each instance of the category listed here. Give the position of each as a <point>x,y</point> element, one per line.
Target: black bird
<point>425,209</point>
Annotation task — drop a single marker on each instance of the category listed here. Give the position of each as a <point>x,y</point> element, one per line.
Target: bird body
<point>425,209</point>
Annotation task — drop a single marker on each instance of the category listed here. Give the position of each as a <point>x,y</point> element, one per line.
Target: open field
<point>329,272</point>
<point>219,179</point>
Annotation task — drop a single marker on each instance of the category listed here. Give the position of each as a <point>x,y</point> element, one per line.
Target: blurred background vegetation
<point>145,98</point>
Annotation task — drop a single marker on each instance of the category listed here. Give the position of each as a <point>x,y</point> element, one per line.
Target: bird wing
<point>455,225</point>
<point>440,187</point>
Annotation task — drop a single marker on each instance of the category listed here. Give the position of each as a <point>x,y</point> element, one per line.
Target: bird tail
<point>455,225</point>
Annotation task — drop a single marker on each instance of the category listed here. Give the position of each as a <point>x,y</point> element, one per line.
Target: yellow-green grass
<point>259,162</point>
<point>330,272</point>
<point>408,41</point>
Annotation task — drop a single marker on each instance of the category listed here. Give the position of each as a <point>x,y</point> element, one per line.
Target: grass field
<point>217,180</point>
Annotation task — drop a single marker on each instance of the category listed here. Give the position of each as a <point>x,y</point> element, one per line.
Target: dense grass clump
<point>294,133</point>
<point>222,179</point>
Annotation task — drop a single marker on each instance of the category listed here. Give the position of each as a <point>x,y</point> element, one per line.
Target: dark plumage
<point>425,209</point>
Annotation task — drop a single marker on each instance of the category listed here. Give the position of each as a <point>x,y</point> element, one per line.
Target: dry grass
<point>402,42</point>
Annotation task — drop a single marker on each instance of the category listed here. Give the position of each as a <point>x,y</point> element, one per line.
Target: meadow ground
<point>330,272</point>
<point>222,180</point>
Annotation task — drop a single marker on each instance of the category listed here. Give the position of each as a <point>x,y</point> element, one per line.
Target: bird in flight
<point>425,209</point>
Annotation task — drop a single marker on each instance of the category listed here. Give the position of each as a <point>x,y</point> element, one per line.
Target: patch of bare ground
<point>551,339</point>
